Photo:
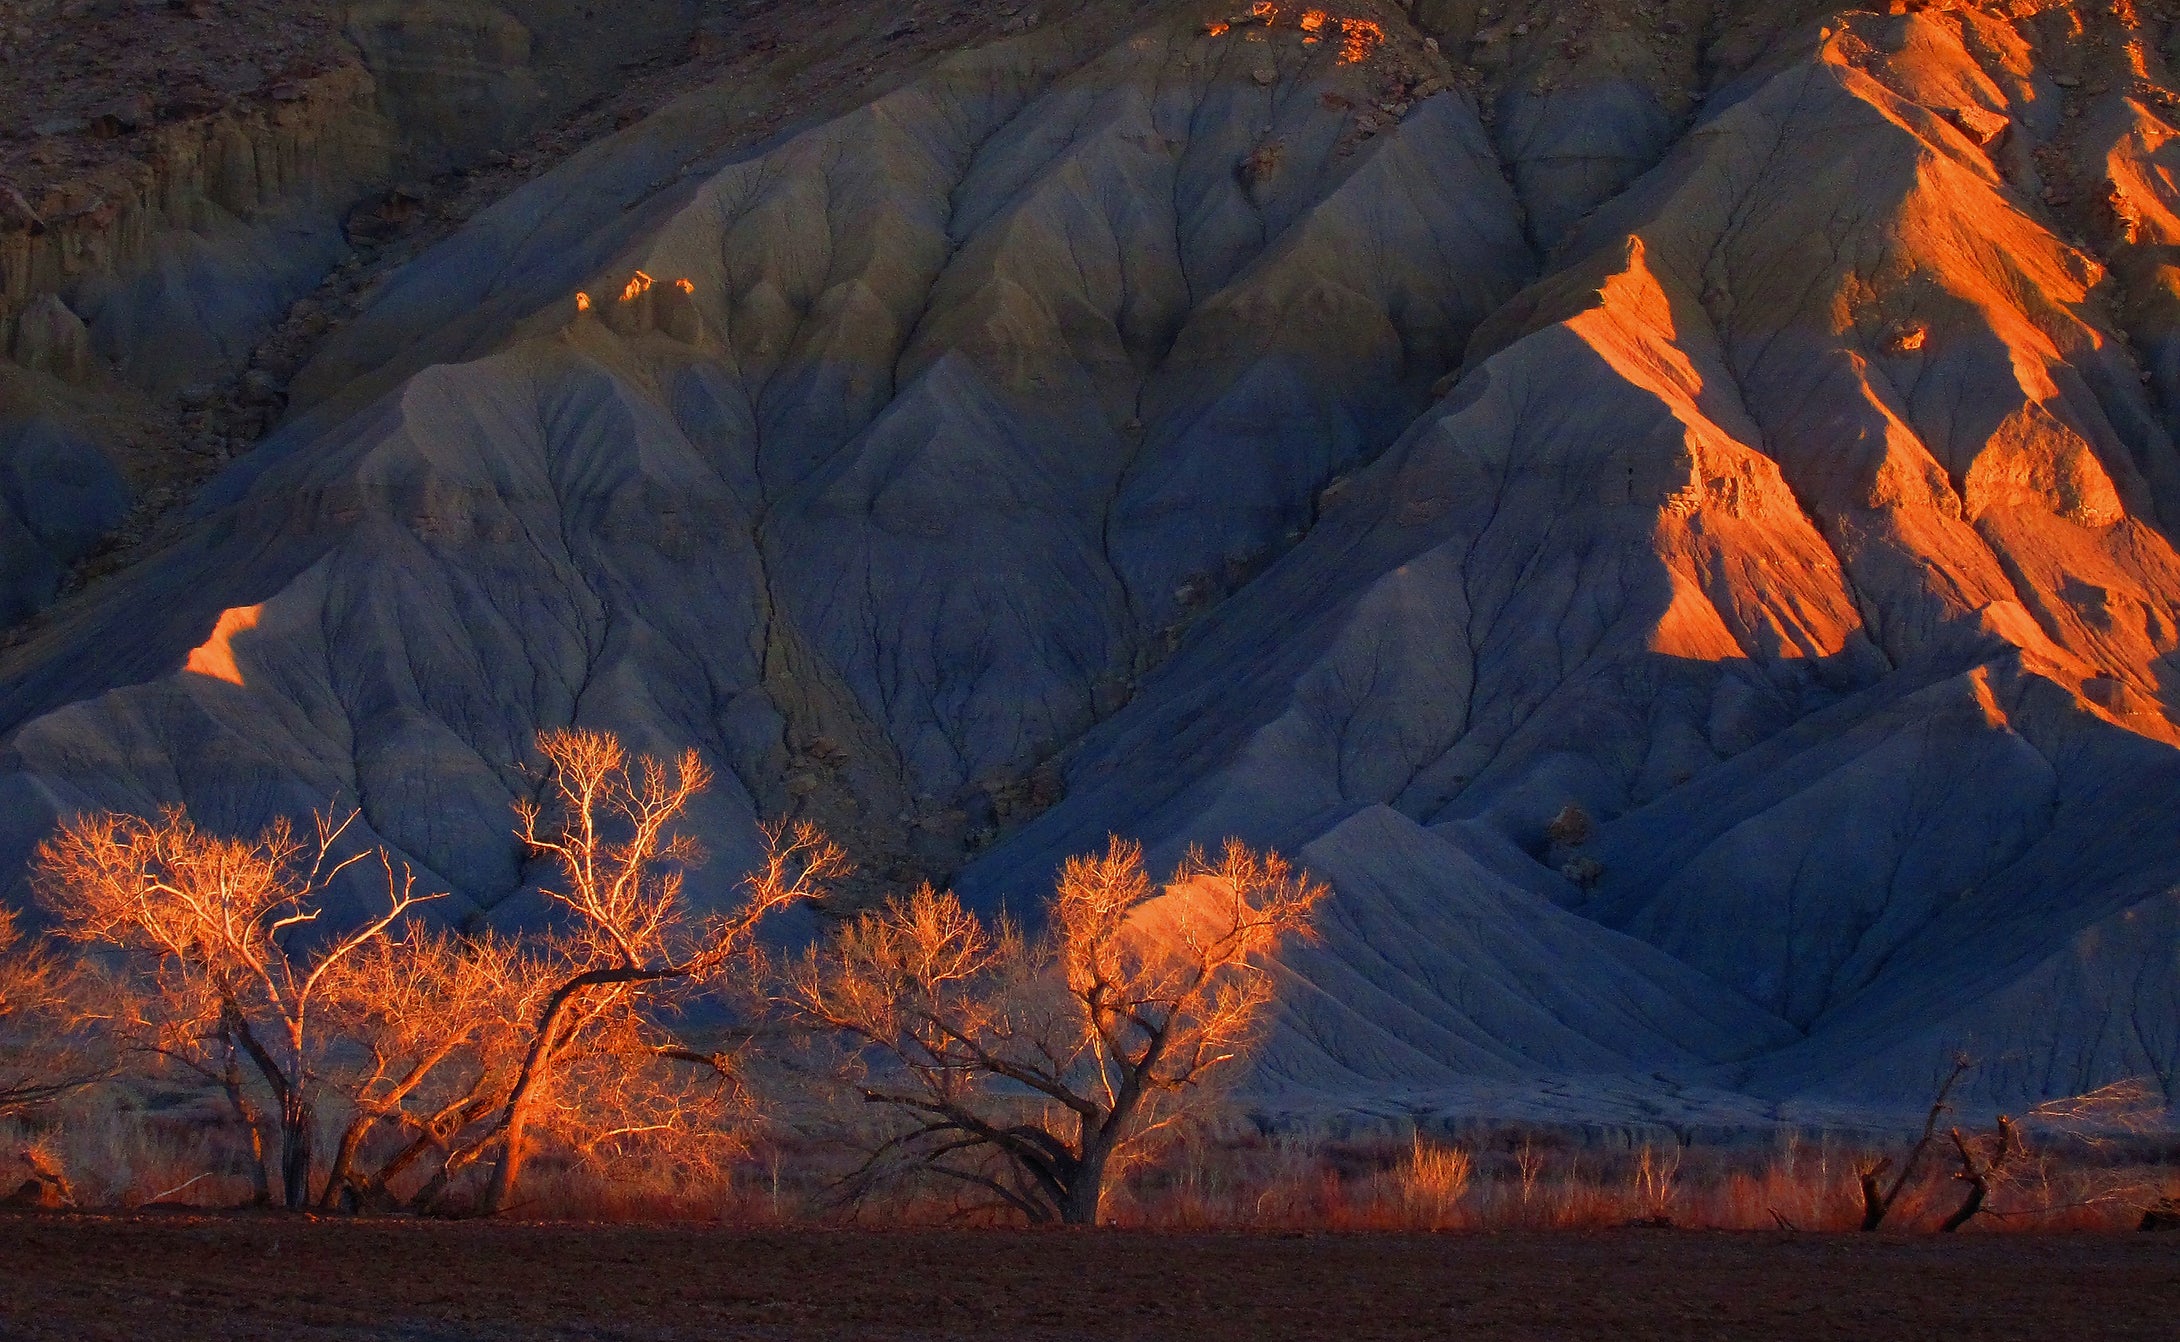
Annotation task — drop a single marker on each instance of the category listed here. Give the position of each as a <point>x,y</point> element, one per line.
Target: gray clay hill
<point>1669,507</point>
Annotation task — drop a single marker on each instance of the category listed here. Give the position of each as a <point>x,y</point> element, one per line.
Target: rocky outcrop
<point>1694,572</point>
<point>175,261</point>
<point>462,78</point>
<point>179,181</point>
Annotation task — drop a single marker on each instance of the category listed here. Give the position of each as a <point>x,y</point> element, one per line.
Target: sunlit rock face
<point>1164,425</point>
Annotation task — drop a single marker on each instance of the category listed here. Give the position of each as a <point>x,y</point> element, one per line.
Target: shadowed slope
<point>1109,414</point>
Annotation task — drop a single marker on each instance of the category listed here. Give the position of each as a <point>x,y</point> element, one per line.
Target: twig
<point>156,1199</point>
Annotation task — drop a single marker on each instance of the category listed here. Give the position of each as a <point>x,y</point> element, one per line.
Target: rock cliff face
<point>1667,507</point>
<point>462,78</point>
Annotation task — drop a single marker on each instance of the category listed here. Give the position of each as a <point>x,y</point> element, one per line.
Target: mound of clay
<point>1693,572</point>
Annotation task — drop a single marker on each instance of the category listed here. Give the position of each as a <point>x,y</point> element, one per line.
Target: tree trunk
<point>537,1069</point>
<point>1978,1190</point>
<point>343,1173</point>
<point>246,1114</point>
<point>1874,1205</point>
<point>1086,1193</point>
<point>1978,1173</point>
<point>297,1128</point>
<point>514,1150</point>
<point>376,1188</point>
<point>298,1119</point>
<point>425,1202</point>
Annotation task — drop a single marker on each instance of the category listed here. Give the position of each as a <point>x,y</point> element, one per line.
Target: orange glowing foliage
<point>611,823</point>
<point>1312,20</point>
<point>1135,995</point>
<point>686,286</point>
<point>1215,29</point>
<point>219,965</point>
<point>1265,10</point>
<point>637,287</point>
<point>1358,38</point>
<point>582,301</point>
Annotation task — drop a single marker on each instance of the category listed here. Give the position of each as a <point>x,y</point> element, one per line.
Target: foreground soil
<point>147,1279</point>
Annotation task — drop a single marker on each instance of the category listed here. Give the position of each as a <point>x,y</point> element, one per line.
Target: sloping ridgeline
<point>1379,448</point>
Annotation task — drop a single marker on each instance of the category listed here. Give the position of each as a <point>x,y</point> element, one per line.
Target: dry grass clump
<point>1540,1180</point>
<point>124,1151</point>
<point>1433,1183</point>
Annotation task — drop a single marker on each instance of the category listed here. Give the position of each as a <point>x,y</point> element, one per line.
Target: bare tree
<point>632,945</point>
<point>1878,1197</point>
<point>44,1052</point>
<point>223,933</point>
<point>1033,1068</point>
<point>2006,1158</point>
<point>431,1026</point>
<point>1982,1164</point>
<point>2003,1157</point>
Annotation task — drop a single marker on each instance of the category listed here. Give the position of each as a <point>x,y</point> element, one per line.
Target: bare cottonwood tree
<point>1033,1068</point>
<point>430,1025</point>
<point>229,961</point>
<point>44,1052</point>
<point>608,826</point>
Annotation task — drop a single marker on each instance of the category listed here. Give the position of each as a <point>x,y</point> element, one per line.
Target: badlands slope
<point>1368,432</point>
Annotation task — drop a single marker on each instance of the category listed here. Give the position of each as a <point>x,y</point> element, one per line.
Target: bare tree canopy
<point>218,931</point>
<point>432,1023</point>
<point>44,1051</point>
<point>608,828</point>
<point>1990,1164</point>
<point>1034,1068</point>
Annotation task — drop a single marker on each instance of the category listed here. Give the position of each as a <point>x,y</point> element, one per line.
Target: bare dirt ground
<point>147,1279</point>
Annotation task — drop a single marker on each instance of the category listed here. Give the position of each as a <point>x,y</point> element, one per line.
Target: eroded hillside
<point>1667,506</point>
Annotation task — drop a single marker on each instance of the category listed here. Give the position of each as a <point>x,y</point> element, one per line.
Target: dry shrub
<point>1655,1184</point>
<point>224,972</point>
<point>381,1064</point>
<point>631,958</point>
<point>1433,1182</point>
<point>1539,1180</point>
